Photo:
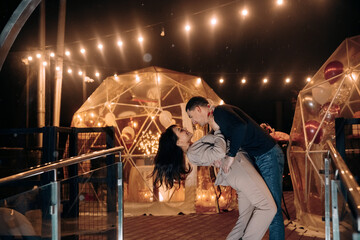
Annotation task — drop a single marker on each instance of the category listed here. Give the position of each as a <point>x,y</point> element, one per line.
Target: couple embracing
<point>237,144</point>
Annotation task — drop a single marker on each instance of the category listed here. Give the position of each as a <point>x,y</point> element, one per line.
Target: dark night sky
<point>293,40</point>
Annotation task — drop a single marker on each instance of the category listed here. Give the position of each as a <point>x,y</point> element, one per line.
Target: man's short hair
<point>196,101</point>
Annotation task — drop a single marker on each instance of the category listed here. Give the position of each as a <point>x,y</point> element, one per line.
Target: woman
<point>256,205</point>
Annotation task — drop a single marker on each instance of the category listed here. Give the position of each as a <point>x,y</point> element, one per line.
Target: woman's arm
<point>207,149</point>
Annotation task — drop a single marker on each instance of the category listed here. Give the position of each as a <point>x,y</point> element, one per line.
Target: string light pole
<point>59,63</point>
<point>42,75</point>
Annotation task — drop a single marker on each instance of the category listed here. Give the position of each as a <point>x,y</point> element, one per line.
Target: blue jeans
<point>271,166</point>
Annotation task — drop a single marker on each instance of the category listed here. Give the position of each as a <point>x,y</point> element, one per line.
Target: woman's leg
<point>245,212</point>
<point>244,177</point>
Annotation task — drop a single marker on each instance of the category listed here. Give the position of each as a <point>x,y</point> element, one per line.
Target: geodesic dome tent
<point>332,92</point>
<point>141,105</point>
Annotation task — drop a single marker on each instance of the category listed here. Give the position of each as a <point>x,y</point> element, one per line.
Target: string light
<point>244,12</point>
<point>137,78</point>
<point>149,142</point>
<point>162,32</point>
<point>279,2</point>
<point>213,21</point>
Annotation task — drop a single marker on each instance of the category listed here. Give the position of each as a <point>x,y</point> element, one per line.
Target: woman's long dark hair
<point>169,161</point>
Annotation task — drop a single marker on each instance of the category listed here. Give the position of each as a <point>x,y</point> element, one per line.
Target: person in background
<point>245,134</point>
<point>256,205</point>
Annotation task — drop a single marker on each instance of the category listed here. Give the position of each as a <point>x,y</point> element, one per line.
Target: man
<point>244,133</point>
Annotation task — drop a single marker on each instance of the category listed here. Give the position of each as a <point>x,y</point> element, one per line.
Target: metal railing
<point>345,184</point>
<point>55,186</point>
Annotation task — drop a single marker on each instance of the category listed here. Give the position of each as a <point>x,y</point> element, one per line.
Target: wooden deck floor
<point>293,230</point>
<point>205,226</point>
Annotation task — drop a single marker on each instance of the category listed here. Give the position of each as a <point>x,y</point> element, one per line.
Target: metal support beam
<point>335,211</point>
<point>120,227</point>
<point>327,199</point>
<point>14,25</point>
<point>55,209</point>
<point>59,63</point>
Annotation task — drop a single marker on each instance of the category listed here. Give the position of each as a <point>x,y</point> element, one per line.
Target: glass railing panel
<point>346,220</point>
<point>27,215</point>
<point>89,204</point>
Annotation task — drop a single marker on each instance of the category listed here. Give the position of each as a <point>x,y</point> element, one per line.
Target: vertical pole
<point>327,199</point>
<point>41,77</point>
<point>59,62</point>
<point>27,94</point>
<point>55,209</point>
<point>73,179</point>
<point>335,211</point>
<point>120,200</point>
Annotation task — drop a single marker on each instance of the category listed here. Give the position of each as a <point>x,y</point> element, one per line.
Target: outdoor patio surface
<point>205,226</point>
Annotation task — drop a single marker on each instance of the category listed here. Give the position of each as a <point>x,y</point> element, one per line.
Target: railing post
<point>111,172</point>
<point>55,209</point>
<point>335,211</point>
<point>73,212</point>
<point>120,200</point>
<point>327,199</point>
